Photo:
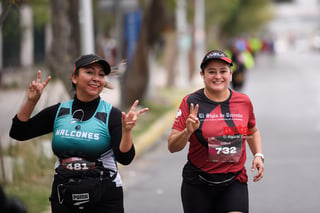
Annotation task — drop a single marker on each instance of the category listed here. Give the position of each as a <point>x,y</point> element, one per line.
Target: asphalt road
<point>286,96</point>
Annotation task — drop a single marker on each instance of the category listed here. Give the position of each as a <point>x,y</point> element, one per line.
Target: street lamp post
<point>86,27</point>
<point>183,43</point>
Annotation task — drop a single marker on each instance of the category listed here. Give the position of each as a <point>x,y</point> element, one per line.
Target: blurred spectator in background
<point>11,205</point>
<point>107,49</point>
<point>238,70</point>
<point>255,45</point>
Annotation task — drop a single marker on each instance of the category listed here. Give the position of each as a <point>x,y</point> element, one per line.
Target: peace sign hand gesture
<point>34,93</point>
<point>193,122</point>
<point>129,120</point>
<point>36,87</point>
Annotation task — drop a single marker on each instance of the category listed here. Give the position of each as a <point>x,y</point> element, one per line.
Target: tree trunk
<point>136,78</point>
<point>65,43</point>
<point>170,52</point>
<point>73,16</point>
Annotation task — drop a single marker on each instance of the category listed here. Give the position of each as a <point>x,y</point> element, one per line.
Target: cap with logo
<point>215,54</point>
<point>85,60</point>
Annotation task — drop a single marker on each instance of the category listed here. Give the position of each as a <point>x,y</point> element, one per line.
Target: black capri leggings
<point>201,198</point>
<point>111,202</point>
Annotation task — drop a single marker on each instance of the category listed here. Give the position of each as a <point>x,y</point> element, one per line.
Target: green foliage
<point>33,175</point>
<point>11,34</point>
<point>30,162</point>
<point>41,12</point>
<point>231,18</point>
<point>11,22</point>
<point>283,1</point>
<point>104,19</point>
<point>247,17</point>
<point>40,9</point>
<point>35,195</point>
<point>217,12</point>
<point>190,10</point>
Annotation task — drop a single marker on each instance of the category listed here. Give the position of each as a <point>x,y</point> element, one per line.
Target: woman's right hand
<point>177,139</point>
<point>193,122</point>
<point>36,87</point>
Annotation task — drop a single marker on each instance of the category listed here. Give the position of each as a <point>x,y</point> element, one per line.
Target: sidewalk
<point>11,100</point>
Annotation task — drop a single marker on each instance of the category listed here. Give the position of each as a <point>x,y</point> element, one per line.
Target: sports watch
<point>259,155</point>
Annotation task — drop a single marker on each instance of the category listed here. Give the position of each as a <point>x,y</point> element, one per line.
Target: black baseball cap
<point>85,60</point>
<point>215,54</point>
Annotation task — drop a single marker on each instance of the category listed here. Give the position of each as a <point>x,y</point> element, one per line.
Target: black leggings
<point>111,202</point>
<point>201,198</point>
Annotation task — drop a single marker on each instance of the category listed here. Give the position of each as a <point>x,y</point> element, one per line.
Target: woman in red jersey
<point>216,121</point>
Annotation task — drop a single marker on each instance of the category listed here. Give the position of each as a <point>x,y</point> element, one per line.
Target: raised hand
<point>129,120</point>
<point>34,93</point>
<point>36,87</point>
<point>193,122</point>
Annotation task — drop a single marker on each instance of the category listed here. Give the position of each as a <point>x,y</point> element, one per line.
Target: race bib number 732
<point>222,149</point>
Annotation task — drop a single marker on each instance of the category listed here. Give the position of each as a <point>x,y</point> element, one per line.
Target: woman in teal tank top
<point>89,137</point>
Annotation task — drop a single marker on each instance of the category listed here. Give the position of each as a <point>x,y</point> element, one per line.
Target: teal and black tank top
<point>76,138</point>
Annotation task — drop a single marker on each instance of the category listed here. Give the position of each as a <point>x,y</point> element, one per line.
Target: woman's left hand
<point>129,120</point>
<point>257,163</point>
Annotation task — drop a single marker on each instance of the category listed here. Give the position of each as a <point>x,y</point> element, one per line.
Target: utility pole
<point>1,46</point>
<point>183,43</point>
<point>119,31</point>
<point>199,21</point>
<point>26,53</point>
<point>86,27</point>
<point>199,37</point>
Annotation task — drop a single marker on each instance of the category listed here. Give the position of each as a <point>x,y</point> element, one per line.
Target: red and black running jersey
<point>228,119</point>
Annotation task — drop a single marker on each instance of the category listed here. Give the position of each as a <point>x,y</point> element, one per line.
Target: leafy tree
<point>224,20</point>
<point>6,7</point>
<point>247,16</point>
<point>230,18</point>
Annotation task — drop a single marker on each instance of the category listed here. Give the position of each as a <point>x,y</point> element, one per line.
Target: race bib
<point>77,164</point>
<point>225,149</point>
